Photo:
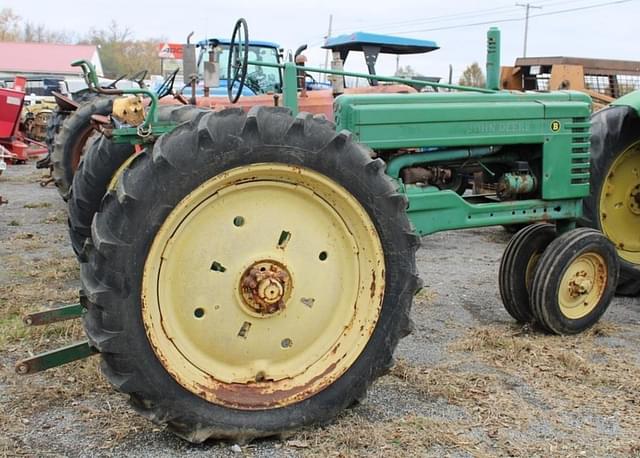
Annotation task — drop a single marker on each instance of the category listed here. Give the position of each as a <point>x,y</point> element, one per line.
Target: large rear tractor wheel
<point>517,267</point>
<point>574,281</point>
<point>73,140</point>
<point>99,171</point>
<point>614,204</point>
<point>250,275</point>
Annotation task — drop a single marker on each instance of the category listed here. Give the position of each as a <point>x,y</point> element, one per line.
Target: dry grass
<point>505,382</point>
<point>426,296</point>
<point>484,395</point>
<point>577,375</point>
<point>574,366</point>
<point>33,177</point>
<point>78,389</point>
<point>355,435</point>
<point>59,217</point>
<point>35,284</point>
<point>32,205</point>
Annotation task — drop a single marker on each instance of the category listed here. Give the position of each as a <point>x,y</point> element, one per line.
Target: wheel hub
<point>580,285</point>
<point>265,286</point>
<point>634,200</point>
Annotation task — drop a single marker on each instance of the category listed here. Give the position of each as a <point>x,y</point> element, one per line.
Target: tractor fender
<point>65,103</point>
<point>632,100</point>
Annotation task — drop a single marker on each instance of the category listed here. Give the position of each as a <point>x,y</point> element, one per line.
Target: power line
<point>318,41</point>
<point>498,21</point>
<point>443,18</point>
<point>581,8</point>
<point>449,17</point>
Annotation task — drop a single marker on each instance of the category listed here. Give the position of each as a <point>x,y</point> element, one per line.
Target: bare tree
<point>406,71</point>
<point>472,76</point>
<point>40,34</point>
<point>119,51</point>
<point>9,25</point>
<point>121,54</point>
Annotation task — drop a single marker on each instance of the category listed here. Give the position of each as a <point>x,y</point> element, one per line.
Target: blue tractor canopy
<point>372,45</point>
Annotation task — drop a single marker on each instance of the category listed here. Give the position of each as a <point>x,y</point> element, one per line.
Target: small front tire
<point>574,282</point>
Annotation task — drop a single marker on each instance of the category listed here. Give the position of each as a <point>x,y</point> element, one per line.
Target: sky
<point>594,28</point>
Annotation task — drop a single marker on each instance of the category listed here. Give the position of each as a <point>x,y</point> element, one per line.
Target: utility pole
<point>527,6</point>
<point>326,54</point>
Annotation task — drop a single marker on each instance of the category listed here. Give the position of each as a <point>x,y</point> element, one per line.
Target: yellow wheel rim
<point>263,286</point>
<point>530,270</point>
<point>620,204</point>
<point>118,173</point>
<point>582,285</point>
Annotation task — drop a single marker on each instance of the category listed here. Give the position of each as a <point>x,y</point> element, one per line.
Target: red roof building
<point>45,58</point>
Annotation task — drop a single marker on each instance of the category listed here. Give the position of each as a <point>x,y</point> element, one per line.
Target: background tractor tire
<point>53,127</point>
<point>159,183</point>
<point>55,123</point>
<point>615,136</point>
<point>72,140</point>
<point>97,169</point>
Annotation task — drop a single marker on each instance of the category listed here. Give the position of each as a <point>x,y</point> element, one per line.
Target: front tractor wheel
<point>574,281</point>
<point>252,275</point>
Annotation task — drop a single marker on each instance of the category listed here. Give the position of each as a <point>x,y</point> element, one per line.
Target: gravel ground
<point>468,381</point>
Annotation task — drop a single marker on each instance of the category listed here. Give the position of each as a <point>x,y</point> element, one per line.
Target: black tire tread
<point>96,170</point>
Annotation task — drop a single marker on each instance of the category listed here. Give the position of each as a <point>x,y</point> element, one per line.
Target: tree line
<point>119,52</point>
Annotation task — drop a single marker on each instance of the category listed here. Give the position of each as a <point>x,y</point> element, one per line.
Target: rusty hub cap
<point>580,285</point>
<point>634,201</point>
<point>265,286</point>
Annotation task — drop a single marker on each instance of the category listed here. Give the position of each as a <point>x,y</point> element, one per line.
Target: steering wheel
<point>167,85</point>
<point>238,59</point>
<point>139,78</point>
<point>113,84</point>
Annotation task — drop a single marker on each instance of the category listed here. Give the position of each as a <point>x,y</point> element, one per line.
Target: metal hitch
<point>54,358</point>
<point>66,312</point>
<point>60,356</point>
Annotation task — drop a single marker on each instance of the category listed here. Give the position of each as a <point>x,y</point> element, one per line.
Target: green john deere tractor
<point>247,274</point>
